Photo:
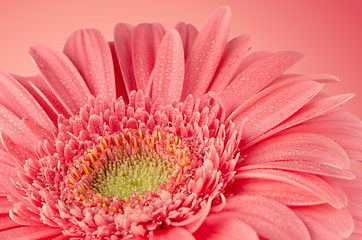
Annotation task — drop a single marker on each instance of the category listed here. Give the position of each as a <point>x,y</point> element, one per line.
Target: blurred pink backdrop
<point>328,32</point>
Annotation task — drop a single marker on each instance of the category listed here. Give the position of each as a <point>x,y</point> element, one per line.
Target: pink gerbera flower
<point>175,135</point>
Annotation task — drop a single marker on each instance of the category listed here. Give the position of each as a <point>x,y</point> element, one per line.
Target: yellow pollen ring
<point>178,178</point>
<point>75,173</point>
<point>95,154</point>
<point>71,180</point>
<point>116,141</point>
<point>86,169</point>
<point>91,158</point>
<point>105,143</point>
<point>140,132</point>
<point>102,147</point>
<point>123,137</point>
<point>168,145</point>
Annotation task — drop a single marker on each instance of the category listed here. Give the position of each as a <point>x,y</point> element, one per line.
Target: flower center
<point>133,175</point>
<point>129,167</point>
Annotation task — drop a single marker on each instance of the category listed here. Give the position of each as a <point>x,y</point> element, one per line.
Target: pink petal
<point>62,237</point>
<point>306,166</point>
<point>61,76</point>
<point>300,146</point>
<point>29,233</point>
<point>8,174</point>
<point>145,43</point>
<point>353,189</point>
<point>123,44</point>
<point>39,89</point>
<point>271,107</point>
<point>312,109</point>
<point>171,234</point>
<point>167,75</point>
<point>320,78</point>
<point>326,222</point>
<point>90,53</point>
<point>282,192</point>
<point>355,237</point>
<point>120,87</point>
<point>39,131</point>
<point>5,205</point>
<point>17,99</point>
<point>206,53</point>
<point>6,222</point>
<point>338,126</point>
<point>16,151</point>
<point>225,226</point>
<point>194,222</point>
<point>268,218</point>
<point>188,34</point>
<point>6,158</point>
<point>251,58</point>
<point>233,56</point>
<point>13,127</point>
<point>256,76</point>
<point>310,182</point>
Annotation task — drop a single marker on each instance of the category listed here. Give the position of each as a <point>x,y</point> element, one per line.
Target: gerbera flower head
<point>175,135</point>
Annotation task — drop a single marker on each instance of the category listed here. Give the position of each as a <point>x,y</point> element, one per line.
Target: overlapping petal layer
<point>213,143</point>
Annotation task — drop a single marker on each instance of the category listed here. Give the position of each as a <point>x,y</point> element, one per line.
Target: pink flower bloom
<point>175,135</point>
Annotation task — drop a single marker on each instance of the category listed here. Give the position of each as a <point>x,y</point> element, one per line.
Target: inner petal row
<point>129,168</point>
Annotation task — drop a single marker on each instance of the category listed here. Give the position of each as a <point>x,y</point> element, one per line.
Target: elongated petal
<point>120,86</point>
<point>233,56</point>
<point>6,158</point>
<point>172,233</point>
<point>310,182</point>
<point>326,222</point>
<point>268,109</point>
<point>16,151</point>
<point>335,127</point>
<point>7,175</point>
<point>251,58</point>
<point>353,189</point>
<point>188,34</point>
<point>6,222</point>
<point>314,108</point>
<point>17,99</point>
<point>306,166</point>
<point>13,127</point>
<point>256,76</point>
<point>5,205</point>
<point>194,222</point>
<point>90,53</point>
<point>123,44</point>
<point>167,75</point>
<point>282,192</point>
<point>224,226</point>
<point>268,218</point>
<point>206,53</point>
<point>29,233</point>
<point>298,147</point>
<point>39,89</point>
<point>145,43</point>
<point>61,76</point>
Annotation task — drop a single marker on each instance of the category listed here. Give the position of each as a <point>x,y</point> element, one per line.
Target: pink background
<point>328,32</point>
